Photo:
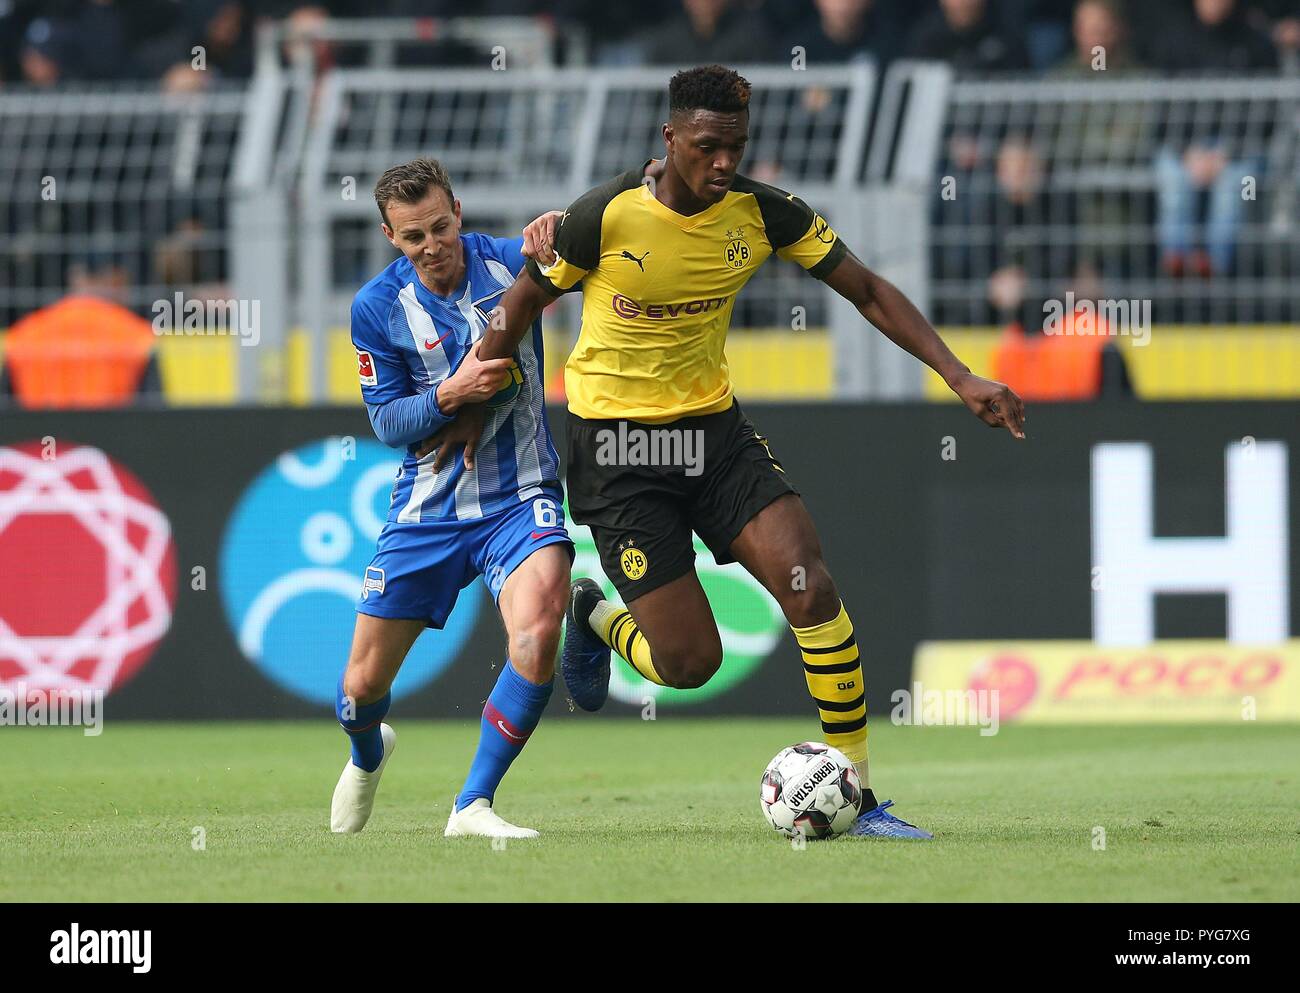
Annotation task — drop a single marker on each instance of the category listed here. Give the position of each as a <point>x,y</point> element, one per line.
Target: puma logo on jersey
<point>629,255</point>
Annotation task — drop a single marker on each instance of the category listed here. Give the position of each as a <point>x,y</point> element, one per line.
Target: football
<point>810,789</point>
<point>514,382</point>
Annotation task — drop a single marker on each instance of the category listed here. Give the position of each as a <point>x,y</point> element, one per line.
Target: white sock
<point>601,614</point>
<point>864,774</point>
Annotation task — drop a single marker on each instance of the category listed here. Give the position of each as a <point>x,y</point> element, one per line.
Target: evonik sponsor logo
<point>627,308</point>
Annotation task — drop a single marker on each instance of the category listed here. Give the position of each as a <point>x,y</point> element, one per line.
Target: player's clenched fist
<point>996,404</point>
<point>474,380</point>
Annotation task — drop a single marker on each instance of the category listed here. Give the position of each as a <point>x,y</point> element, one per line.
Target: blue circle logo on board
<point>293,559</point>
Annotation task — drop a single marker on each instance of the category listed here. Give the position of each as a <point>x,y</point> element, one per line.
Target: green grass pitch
<point>663,810</point>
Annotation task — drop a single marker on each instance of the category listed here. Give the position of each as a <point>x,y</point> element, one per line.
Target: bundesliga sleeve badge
<point>366,369</point>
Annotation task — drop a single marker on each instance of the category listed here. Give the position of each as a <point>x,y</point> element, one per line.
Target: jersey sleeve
<point>511,252</point>
<point>577,238</point>
<point>798,233</point>
<point>380,368</point>
<point>577,248</point>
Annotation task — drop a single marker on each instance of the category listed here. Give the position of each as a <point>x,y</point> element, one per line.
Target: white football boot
<point>354,796</point>
<point>479,819</point>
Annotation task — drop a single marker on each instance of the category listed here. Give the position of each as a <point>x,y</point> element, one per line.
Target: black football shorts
<point>643,488</point>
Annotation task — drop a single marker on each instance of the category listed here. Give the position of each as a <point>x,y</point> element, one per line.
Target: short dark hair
<point>411,182</point>
<point>714,87</point>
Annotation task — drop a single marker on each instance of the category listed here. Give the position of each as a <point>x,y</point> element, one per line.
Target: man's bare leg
<point>780,548</point>
<point>668,635</point>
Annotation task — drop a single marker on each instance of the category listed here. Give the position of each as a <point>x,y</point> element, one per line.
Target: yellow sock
<point>834,673</point>
<point>615,627</point>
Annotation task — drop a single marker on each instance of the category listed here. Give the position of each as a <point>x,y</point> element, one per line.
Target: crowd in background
<point>1020,234</point>
<point>45,42</point>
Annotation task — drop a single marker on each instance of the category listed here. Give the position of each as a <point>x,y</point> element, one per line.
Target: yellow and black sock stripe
<point>618,630</point>
<point>833,670</point>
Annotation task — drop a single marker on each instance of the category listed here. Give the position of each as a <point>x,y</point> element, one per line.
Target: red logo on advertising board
<point>87,569</point>
<point>1013,678</point>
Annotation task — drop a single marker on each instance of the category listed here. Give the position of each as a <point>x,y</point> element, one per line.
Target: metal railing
<point>519,143</point>
<point>124,184</point>
<point>982,200</point>
<point>1178,192</point>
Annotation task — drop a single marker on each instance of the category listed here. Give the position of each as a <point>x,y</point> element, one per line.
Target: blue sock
<point>509,716</point>
<point>363,728</point>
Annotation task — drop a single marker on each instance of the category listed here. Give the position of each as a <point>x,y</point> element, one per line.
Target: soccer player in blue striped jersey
<point>492,509</point>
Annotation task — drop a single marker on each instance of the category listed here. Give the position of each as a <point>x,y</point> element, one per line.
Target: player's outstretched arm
<point>507,324</point>
<point>510,320</point>
<point>885,306</point>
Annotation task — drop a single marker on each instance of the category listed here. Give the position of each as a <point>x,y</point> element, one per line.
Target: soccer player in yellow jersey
<point>661,252</point>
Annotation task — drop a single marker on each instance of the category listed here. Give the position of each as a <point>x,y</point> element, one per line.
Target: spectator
<point>1020,212</point>
<point>221,29</point>
<point>1099,143</point>
<point>965,34</point>
<point>1069,356</point>
<point>1218,38</point>
<point>1200,168</point>
<point>1280,20</point>
<point>188,259</point>
<point>844,30</point>
<point>710,31</point>
<point>90,40</point>
<point>1043,24</point>
<point>1101,42</point>
<point>999,227</point>
<point>86,350</point>
<point>14,18</point>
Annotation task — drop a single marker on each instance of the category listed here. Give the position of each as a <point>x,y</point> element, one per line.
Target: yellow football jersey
<point>658,289</point>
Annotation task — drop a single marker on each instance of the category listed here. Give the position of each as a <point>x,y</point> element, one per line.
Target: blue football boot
<point>585,659</point>
<point>879,823</point>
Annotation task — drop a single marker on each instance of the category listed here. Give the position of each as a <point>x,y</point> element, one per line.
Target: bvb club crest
<point>737,253</point>
<point>633,560</point>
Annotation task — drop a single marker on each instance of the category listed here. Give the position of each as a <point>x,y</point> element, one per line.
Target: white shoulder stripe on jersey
<point>423,329</point>
<point>499,272</point>
<point>497,293</point>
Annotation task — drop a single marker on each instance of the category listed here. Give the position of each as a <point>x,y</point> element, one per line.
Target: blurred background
<point>1096,201</point>
<point>988,155</point>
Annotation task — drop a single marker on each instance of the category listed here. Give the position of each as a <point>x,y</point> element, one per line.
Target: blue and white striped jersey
<point>408,340</point>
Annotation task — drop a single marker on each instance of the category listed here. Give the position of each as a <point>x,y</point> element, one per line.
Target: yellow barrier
<point>764,364</point>
<point>1179,363</point>
<point>1184,362</point>
<point>199,370</point>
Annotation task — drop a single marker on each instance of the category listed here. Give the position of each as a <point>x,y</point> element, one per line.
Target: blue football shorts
<point>419,569</point>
